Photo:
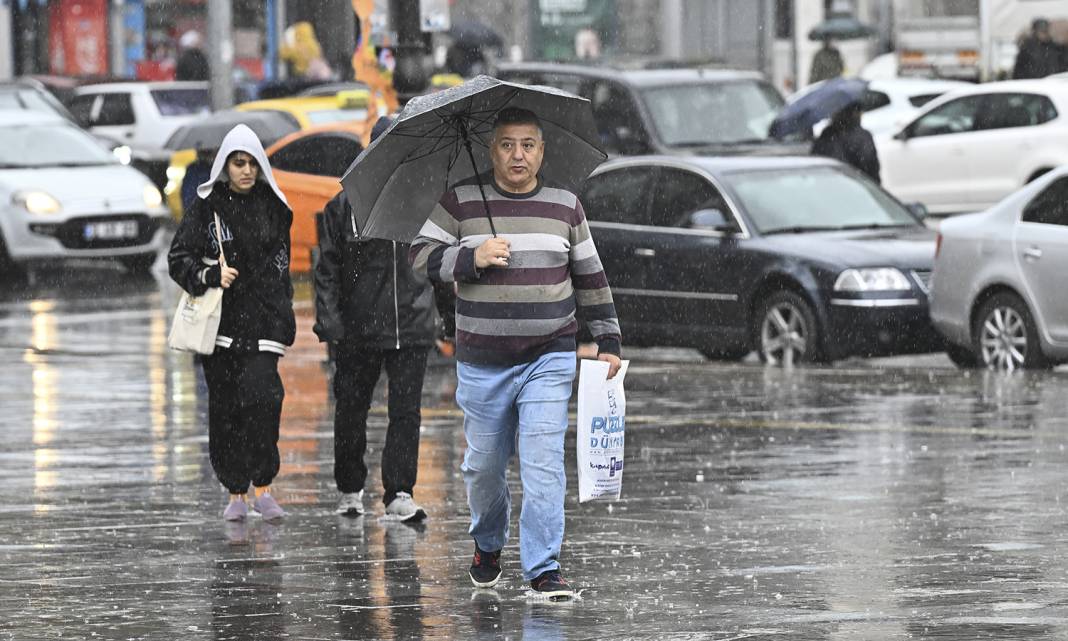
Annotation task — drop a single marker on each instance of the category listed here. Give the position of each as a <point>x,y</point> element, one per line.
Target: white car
<point>142,115</point>
<point>64,195</point>
<point>997,291</point>
<point>970,148</point>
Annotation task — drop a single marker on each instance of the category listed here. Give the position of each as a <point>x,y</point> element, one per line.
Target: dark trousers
<point>244,408</point>
<point>355,377</point>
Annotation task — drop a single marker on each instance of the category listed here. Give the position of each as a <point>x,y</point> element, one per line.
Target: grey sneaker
<point>237,510</point>
<point>351,504</point>
<point>403,508</point>
<point>267,507</point>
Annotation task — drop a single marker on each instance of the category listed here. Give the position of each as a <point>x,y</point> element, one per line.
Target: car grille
<point>923,279</point>
<point>71,234</point>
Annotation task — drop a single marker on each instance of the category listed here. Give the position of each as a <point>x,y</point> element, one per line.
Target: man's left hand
<point>613,363</point>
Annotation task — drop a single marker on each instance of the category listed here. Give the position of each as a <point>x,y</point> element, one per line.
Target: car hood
<point>906,248</point>
<point>81,189</point>
<point>767,148</point>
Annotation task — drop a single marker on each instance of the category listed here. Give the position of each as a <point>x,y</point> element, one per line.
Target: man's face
<point>517,151</point>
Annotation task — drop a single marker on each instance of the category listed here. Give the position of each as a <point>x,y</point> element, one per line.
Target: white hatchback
<point>972,147</point>
<point>64,195</point>
<point>142,115</point>
<point>997,291</point>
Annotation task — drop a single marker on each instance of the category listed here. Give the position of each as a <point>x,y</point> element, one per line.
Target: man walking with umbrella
<point>522,256</point>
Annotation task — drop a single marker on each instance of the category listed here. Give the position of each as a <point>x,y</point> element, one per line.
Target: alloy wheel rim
<point>783,335</point>
<point>1003,340</point>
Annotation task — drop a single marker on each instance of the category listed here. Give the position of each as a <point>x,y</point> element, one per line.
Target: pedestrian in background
<point>827,63</point>
<point>378,314</point>
<point>518,289</point>
<point>844,139</point>
<point>192,63</point>
<point>1039,56</point>
<point>244,390</point>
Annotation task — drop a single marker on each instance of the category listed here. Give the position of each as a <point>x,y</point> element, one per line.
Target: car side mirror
<point>903,135</point>
<point>712,219</point>
<point>919,210</point>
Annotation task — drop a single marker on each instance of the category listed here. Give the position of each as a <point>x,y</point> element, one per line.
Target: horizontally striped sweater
<point>514,314</point>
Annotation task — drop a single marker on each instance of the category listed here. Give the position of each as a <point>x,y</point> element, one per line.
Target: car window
<point>181,102</point>
<point>114,111</point>
<point>922,99</point>
<point>319,155</point>
<point>620,196</point>
<point>82,108</point>
<point>954,117</point>
<point>680,193</point>
<point>1008,110</point>
<point>1050,207</point>
<point>711,113</point>
<point>872,100</point>
<point>616,115</point>
<point>330,116</point>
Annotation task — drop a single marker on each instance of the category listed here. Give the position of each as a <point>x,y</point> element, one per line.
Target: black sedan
<point>800,259</point>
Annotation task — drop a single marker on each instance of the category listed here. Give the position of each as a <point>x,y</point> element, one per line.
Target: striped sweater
<point>514,314</point>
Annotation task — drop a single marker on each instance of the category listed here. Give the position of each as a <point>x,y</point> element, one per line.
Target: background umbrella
<point>442,138</point>
<point>208,132</point>
<point>841,28</point>
<point>474,34</point>
<point>819,102</point>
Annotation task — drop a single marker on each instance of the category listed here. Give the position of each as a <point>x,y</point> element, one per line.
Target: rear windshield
<point>181,102</point>
<point>328,116</point>
<point>713,113</point>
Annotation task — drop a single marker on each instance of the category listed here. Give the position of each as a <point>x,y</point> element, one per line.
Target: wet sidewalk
<point>865,501</point>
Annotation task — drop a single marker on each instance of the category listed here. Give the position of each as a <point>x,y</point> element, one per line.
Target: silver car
<point>998,287</point>
<point>64,195</point>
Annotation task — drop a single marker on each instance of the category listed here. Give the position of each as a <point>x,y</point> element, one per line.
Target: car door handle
<point>645,252</point>
<point>1032,253</point>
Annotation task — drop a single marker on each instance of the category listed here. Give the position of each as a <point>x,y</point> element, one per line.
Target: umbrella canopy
<point>473,34</point>
<point>841,27</point>
<point>821,101</point>
<point>433,143</point>
<point>208,132</point>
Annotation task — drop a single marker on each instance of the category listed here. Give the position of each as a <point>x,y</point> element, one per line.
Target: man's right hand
<point>227,276</point>
<point>492,253</point>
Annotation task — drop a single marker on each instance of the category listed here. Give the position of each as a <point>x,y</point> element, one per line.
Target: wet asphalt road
<point>889,499</point>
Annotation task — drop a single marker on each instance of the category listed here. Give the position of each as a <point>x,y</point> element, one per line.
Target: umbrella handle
<point>478,178</point>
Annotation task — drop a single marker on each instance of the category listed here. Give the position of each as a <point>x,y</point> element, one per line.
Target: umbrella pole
<point>478,178</point>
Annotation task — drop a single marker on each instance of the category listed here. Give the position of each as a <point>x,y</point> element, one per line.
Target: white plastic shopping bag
<point>602,410</point>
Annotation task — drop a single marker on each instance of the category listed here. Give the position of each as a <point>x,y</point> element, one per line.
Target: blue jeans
<point>520,407</point>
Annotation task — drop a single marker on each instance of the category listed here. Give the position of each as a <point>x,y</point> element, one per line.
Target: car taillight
<point>938,245</point>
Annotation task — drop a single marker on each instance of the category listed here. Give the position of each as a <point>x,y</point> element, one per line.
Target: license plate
<point>111,230</point>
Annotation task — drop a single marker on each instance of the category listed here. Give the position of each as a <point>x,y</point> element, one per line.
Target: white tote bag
<point>196,321</point>
<point>602,409</point>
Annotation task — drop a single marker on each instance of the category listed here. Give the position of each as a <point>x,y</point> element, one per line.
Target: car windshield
<point>25,99</point>
<point>329,116</point>
<point>181,102</point>
<point>713,113</point>
<point>815,199</point>
<point>28,146</point>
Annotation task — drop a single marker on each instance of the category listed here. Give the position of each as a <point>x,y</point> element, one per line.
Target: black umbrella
<point>442,138</point>
<point>841,27</point>
<point>473,34</point>
<point>208,132</point>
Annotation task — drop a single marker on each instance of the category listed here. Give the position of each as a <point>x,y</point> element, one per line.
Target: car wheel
<point>140,263</point>
<point>1005,335</point>
<point>728,354</point>
<point>785,330</point>
<point>962,357</point>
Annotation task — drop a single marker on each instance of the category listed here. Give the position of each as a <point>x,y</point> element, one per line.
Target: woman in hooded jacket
<point>244,389</point>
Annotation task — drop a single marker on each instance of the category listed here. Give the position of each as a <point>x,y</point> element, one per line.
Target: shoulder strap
<point>218,239</point>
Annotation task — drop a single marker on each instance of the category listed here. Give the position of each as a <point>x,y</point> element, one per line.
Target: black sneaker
<point>485,568</point>
<point>551,584</point>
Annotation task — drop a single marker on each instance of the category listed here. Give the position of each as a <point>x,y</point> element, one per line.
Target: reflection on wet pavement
<point>894,499</point>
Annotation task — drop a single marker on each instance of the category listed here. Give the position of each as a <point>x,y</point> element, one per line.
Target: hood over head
<point>240,138</point>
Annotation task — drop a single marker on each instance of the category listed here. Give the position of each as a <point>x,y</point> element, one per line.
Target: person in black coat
<point>377,313</point>
<point>1039,56</point>
<point>845,140</point>
<point>244,389</point>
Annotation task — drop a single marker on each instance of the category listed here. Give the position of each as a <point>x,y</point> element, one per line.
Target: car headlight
<point>36,202</point>
<point>879,279</point>
<point>124,153</point>
<point>152,196</point>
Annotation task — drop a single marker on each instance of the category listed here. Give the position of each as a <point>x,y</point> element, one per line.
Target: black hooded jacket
<point>258,305</point>
<point>850,143</point>
<point>365,291</point>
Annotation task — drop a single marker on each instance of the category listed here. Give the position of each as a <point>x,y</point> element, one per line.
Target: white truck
<point>967,39</point>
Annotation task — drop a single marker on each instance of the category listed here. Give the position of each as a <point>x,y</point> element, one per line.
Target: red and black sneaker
<point>551,584</point>
<point>485,568</point>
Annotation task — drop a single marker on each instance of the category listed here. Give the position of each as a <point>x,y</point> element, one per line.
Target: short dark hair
<point>516,116</point>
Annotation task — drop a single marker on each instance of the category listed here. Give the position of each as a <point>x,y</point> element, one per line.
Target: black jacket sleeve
<point>329,326</point>
<point>189,248</point>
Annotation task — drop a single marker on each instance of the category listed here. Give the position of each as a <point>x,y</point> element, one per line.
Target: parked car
<point>64,195</point>
<point>668,111</point>
<point>998,284</point>
<point>972,147</point>
<point>308,111</point>
<point>801,259</point>
<point>890,103</point>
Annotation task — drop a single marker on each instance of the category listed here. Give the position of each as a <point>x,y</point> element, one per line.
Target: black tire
<point>139,263</point>
<point>1005,336</point>
<point>962,357</point>
<point>736,354</point>
<point>785,331</point>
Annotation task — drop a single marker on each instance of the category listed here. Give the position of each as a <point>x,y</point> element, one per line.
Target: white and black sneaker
<point>403,508</point>
<point>351,504</point>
